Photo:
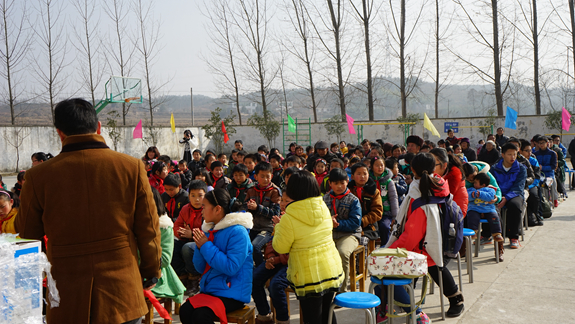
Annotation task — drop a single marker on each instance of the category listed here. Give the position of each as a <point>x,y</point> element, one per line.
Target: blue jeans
<point>183,257</point>
<point>399,294</point>
<point>259,239</point>
<point>278,284</point>
<point>474,217</point>
<point>385,227</point>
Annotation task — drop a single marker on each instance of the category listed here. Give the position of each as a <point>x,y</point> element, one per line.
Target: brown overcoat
<point>96,208</point>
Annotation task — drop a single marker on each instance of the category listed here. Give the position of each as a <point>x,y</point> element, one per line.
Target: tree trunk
<point>8,66</point>
<point>368,61</point>
<point>536,61</point>
<point>336,23</point>
<point>572,15</point>
<point>402,86</point>
<point>496,61</point>
<point>436,59</point>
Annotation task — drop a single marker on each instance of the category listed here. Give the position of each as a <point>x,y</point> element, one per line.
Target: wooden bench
<point>288,290</point>
<point>357,273</point>
<point>245,315</point>
<point>150,315</point>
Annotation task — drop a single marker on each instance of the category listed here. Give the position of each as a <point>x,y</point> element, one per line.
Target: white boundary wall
<point>45,138</point>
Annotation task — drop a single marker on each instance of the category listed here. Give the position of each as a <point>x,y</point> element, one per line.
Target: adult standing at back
<point>321,152</point>
<point>97,210</point>
<point>501,138</point>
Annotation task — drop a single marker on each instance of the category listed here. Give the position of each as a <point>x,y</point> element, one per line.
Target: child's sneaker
<point>422,318</point>
<point>498,238</point>
<point>514,244</point>
<point>486,240</point>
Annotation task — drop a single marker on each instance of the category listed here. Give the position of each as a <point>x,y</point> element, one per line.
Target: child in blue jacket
<point>481,202</point>
<point>345,209</point>
<point>224,258</point>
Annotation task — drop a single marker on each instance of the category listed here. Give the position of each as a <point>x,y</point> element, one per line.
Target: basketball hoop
<point>131,99</point>
<point>121,90</point>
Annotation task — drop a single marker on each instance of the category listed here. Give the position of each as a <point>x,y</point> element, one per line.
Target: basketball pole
<point>192,100</point>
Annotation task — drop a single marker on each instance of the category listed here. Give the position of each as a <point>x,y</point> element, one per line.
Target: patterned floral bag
<point>398,263</point>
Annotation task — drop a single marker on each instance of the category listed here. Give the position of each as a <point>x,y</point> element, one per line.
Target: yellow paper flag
<point>173,124</point>
<point>429,126</point>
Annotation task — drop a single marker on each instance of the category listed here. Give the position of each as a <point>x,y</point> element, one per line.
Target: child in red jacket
<point>184,246</point>
<point>421,225</point>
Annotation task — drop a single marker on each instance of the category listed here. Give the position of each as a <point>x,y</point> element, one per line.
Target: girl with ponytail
<point>413,226</point>
<point>224,257</point>
<point>449,167</point>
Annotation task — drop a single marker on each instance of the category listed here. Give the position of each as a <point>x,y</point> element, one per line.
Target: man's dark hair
<point>222,155</point>
<point>483,179</point>
<point>173,180</point>
<point>357,166</point>
<point>239,141</point>
<point>197,151</point>
<point>263,166</point>
<point>242,153</point>
<point>337,175</point>
<point>303,185</point>
<point>198,185</point>
<point>183,162</point>
<point>408,157</point>
<point>507,147</point>
<point>440,142</point>
<point>240,168</point>
<point>75,117</point>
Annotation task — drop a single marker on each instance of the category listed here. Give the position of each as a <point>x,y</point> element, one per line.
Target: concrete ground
<point>535,283</point>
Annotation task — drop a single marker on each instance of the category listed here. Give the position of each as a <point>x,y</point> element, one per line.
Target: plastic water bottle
<point>451,239</point>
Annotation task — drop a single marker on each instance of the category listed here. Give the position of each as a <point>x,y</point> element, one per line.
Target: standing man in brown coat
<point>96,208</point>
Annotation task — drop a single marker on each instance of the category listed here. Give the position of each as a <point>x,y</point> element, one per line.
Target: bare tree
<point>365,17</point>
<point>409,70</point>
<point>53,43</point>
<point>147,46</point>
<point>568,27</point>
<point>252,18</point>
<point>16,43</point>
<point>15,138</point>
<point>87,42</point>
<point>336,16</point>
<point>118,11</point>
<point>222,58</point>
<point>299,17</point>
<point>531,33</point>
<point>502,39</point>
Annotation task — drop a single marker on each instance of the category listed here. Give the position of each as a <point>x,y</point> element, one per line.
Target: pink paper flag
<point>350,124</point>
<point>565,119</point>
<point>138,130</point>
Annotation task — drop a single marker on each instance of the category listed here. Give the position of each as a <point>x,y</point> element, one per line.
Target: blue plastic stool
<point>467,234</point>
<point>478,243</point>
<point>391,283</point>
<point>356,300</point>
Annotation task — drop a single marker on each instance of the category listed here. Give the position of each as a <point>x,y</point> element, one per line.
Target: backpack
<point>449,212</point>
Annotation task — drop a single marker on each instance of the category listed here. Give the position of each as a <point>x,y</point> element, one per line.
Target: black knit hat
<point>415,140</point>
